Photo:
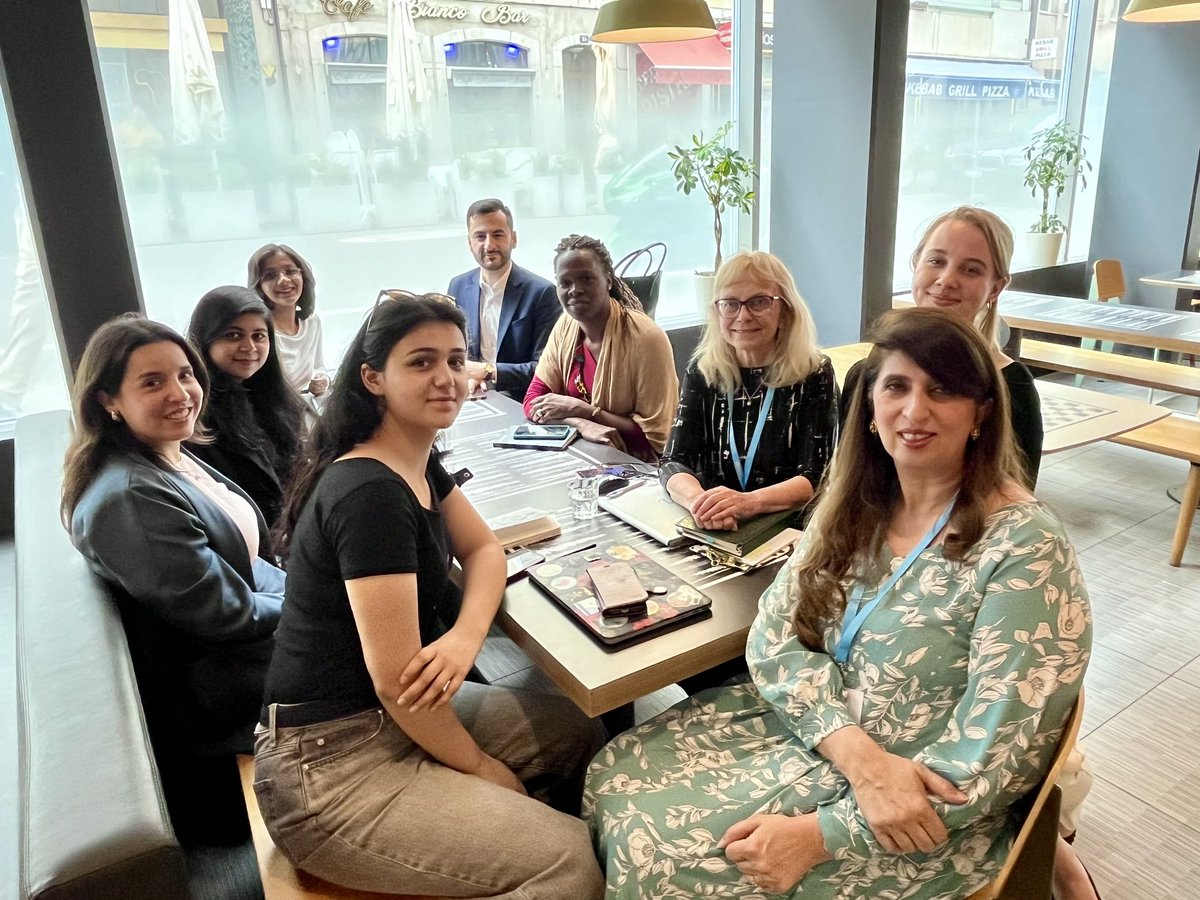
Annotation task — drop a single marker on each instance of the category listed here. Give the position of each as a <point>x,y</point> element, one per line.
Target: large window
<point>981,79</point>
<point>361,140</point>
<point>31,373</point>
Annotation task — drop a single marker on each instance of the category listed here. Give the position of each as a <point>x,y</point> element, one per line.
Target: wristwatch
<point>489,372</point>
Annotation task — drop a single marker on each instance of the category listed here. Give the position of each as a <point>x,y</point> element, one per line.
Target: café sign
<point>502,14</point>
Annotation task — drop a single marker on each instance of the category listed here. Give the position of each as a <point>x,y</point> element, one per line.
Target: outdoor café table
<point>596,678</point>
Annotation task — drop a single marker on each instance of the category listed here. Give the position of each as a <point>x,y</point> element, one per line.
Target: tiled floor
<point>1140,831</point>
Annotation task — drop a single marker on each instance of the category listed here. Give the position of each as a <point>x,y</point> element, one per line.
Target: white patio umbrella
<point>196,105</point>
<point>407,89</point>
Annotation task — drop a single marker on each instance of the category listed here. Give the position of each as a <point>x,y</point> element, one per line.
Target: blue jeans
<point>356,802</point>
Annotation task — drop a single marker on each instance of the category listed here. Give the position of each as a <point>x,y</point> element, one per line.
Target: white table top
<point>598,679</point>
<point>1185,279</point>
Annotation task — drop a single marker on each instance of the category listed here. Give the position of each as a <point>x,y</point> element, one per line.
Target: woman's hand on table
<point>600,434</point>
<point>720,508</point>
<point>893,796</point>
<point>775,852</point>
<point>436,671</point>
<point>556,407</point>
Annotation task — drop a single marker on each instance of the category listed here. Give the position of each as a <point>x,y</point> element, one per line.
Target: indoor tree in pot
<point>1054,156</point>
<point>725,176</point>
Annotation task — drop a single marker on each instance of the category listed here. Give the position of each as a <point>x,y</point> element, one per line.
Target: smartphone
<point>519,559</point>
<point>530,432</point>
<point>618,589</point>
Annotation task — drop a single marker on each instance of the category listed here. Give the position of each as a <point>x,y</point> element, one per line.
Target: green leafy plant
<point>1054,156</point>
<point>724,175</point>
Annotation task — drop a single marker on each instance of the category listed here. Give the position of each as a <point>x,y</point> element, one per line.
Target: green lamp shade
<point>1163,11</point>
<point>653,21</point>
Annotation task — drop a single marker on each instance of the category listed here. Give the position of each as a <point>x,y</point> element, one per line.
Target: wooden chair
<point>280,880</point>
<point>1108,284</point>
<point>1027,873</point>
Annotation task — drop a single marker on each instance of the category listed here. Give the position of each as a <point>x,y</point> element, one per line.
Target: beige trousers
<point>356,802</point>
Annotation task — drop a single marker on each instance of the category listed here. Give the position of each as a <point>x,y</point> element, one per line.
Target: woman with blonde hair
<point>757,416</point>
<point>961,265</point>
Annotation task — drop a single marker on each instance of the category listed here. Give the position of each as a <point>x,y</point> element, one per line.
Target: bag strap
<point>626,262</point>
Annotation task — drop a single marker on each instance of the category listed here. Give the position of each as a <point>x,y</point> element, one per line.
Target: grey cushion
<point>93,820</point>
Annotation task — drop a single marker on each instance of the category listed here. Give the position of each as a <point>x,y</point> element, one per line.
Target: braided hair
<point>620,291</point>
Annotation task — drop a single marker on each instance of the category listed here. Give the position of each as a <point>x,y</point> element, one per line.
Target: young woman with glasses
<point>757,416</point>
<point>378,766</point>
<point>607,368</point>
<point>285,281</point>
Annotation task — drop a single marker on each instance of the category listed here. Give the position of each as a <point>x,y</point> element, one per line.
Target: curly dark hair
<point>620,291</point>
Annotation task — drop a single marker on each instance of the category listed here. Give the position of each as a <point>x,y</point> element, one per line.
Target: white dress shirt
<point>491,297</point>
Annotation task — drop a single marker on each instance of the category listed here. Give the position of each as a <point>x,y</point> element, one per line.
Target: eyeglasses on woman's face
<point>401,296</point>
<point>270,276</point>
<point>730,308</point>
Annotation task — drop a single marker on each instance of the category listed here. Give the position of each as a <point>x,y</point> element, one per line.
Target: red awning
<point>704,61</point>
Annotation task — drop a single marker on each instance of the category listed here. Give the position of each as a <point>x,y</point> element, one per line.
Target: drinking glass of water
<point>584,494</point>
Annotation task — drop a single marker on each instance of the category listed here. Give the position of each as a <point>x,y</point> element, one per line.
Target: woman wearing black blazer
<point>177,541</point>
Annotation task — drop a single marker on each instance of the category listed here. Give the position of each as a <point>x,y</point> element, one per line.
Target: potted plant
<point>726,178</point>
<point>1054,156</point>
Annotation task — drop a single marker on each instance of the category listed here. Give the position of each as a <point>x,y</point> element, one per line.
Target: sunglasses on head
<point>400,296</point>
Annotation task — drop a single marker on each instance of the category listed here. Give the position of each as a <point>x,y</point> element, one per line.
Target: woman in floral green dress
<point>882,744</point>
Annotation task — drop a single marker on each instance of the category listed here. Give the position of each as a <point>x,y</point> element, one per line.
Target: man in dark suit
<point>510,311</point>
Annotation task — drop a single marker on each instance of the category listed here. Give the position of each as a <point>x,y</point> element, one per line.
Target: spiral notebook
<point>672,603</point>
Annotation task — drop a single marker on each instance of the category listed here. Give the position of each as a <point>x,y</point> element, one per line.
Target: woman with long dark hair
<point>379,766</point>
<point>913,665</point>
<point>254,417</point>
<point>179,543</point>
<point>285,281</point>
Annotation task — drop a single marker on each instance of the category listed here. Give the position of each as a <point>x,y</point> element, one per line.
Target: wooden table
<point>596,678</point>
<point>1139,326</point>
<point>1071,416</point>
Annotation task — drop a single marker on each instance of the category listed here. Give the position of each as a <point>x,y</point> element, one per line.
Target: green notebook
<point>750,533</point>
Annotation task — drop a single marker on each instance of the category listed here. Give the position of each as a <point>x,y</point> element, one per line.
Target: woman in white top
<point>285,280</point>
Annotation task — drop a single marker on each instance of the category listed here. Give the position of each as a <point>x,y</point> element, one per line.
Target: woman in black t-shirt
<point>378,766</point>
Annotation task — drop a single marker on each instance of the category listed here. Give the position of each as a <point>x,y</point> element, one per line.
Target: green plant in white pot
<point>1054,156</point>
<point>727,179</point>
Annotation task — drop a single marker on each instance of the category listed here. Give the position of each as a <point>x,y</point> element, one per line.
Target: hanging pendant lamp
<point>1163,11</point>
<point>653,21</point>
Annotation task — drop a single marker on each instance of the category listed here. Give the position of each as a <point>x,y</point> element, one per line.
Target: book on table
<point>749,534</point>
<point>528,436</point>
<point>524,526</point>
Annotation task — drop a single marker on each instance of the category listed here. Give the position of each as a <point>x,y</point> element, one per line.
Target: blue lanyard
<point>764,406</point>
<point>856,614</point>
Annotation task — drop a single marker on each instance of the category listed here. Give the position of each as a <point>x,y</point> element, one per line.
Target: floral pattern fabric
<point>970,667</point>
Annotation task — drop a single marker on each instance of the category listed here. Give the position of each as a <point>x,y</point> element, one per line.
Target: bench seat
<point>1177,436</point>
<point>1150,373</point>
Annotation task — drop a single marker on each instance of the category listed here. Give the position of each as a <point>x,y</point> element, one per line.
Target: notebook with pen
<point>672,601</point>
